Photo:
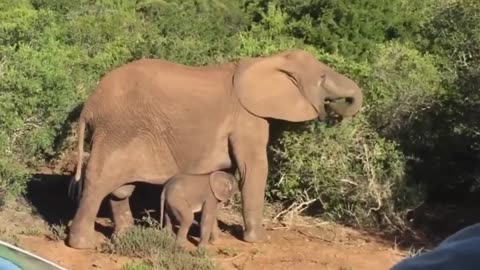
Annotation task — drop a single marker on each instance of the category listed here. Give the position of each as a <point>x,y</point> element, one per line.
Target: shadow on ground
<point>431,223</point>
<point>438,220</point>
<point>47,194</point>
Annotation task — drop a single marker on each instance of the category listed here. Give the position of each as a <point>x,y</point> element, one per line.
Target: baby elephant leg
<point>184,216</point>
<point>168,221</point>
<point>209,217</point>
<point>215,234</point>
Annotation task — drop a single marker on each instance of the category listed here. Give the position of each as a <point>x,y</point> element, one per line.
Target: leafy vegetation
<point>369,186</point>
<point>158,250</point>
<point>417,61</point>
<point>350,28</point>
<point>446,138</point>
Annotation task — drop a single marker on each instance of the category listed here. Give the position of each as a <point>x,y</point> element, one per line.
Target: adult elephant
<point>153,119</point>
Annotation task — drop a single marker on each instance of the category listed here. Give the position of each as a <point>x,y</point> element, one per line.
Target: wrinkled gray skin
<point>153,119</point>
<point>185,195</point>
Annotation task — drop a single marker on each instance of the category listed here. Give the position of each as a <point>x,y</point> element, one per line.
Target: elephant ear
<point>221,185</point>
<point>270,87</point>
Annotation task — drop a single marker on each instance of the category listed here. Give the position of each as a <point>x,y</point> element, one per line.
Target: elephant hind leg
<point>98,184</point>
<point>82,231</point>
<point>119,203</point>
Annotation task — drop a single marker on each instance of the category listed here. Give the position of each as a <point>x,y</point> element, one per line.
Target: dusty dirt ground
<point>308,244</point>
<point>324,247</point>
<point>304,244</point>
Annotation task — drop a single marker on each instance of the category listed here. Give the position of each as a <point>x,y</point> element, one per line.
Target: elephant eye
<point>323,77</point>
<point>319,82</point>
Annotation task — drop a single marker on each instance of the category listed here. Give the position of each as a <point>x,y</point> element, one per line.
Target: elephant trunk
<point>339,86</point>
<point>350,107</point>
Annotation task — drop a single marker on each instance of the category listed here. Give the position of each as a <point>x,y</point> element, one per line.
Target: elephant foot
<point>214,238</point>
<point>181,243</point>
<point>215,235</point>
<point>213,241</point>
<point>122,228</point>
<point>168,227</point>
<point>79,241</point>
<point>202,244</point>
<point>257,235</point>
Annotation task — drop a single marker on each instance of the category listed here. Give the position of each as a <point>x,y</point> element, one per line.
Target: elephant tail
<point>75,186</point>
<point>81,137</point>
<point>162,206</point>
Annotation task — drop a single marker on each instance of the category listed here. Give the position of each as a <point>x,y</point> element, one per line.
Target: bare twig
<point>229,259</point>
<point>284,211</point>
<point>316,237</point>
<point>349,182</point>
<point>294,209</point>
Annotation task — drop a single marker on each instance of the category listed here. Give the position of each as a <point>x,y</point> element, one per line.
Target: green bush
<point>193,32</point>
<point>52,53</point>
<point>142,242</point>
<point>402,83</point>
<point>453,33</point>
<point>137,266</point>
<point>158,248</point>
<point>357,176</point>
<point>351,28</point>
<point>13,176</point>
<point>445,141</point>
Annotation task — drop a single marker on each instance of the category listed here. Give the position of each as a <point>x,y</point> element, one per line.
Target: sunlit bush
<point>401,85</point>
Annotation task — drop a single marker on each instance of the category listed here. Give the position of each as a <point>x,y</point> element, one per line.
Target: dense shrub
<point>402,83</point>
<point>357,176</point>
<point>157,248</point>
<point>454,26</point>
<point>351,28</point>
<point>36,89</point>
<point>53,52</point>
<point>446,139</point>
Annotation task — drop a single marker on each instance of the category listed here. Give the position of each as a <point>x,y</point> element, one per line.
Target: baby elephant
<point>187,194</point>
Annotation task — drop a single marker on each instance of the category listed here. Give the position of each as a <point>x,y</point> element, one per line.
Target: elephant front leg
<point>253,197</point>
<point>215,234</point>
<point>250,151</point>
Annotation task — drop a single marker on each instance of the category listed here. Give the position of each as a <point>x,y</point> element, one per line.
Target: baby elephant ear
<point>221,184</point>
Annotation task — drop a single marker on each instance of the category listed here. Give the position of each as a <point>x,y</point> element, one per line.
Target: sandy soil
<point>306,247</point>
